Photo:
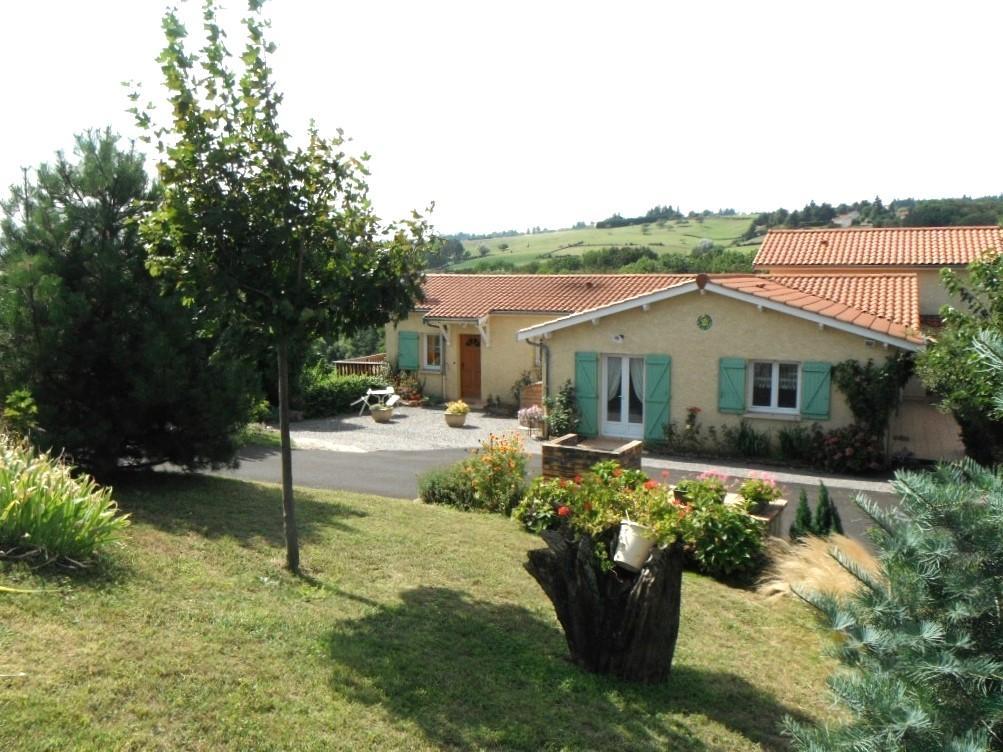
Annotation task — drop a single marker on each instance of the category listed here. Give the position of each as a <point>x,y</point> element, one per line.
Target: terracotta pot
<point>455,420</point>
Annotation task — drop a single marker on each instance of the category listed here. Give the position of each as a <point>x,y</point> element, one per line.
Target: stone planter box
<point>770,517</point>
<point>572,455</point>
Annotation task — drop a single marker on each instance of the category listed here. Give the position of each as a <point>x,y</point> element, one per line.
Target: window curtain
<point>613,376</point>
<point>637,378</point>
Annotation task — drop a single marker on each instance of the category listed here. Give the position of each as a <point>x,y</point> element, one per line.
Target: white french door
<point>622,396</point>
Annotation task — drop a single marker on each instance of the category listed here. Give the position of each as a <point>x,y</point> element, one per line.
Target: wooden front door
<point>470,366</point>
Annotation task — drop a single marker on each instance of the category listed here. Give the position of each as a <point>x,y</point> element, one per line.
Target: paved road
<point>395,474</point>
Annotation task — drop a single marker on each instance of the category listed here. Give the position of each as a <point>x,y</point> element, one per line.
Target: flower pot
<point>381,414</point>
<point>634,546</point>
<point>455,420</point>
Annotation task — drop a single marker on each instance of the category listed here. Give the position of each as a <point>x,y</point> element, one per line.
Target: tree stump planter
<point>615,623</point>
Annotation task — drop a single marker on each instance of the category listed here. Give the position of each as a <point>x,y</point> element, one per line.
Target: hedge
<point>326,393</point>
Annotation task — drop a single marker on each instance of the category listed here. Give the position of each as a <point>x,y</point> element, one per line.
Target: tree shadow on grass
<point>473,674</point>
<point>225,508</point>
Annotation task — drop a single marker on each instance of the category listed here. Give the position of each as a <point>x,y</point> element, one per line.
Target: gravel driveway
<point>411,429</point>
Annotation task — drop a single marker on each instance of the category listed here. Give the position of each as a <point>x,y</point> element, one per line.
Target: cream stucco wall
<point>503,357</point>
<point>739,330</point>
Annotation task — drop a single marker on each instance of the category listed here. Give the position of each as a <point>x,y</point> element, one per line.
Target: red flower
<point>578,480</point>
<point>651,484</point>
<point>563,511</point>
<point>617,472</point>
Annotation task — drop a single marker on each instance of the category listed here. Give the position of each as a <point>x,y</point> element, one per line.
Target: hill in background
<point>666,240</point>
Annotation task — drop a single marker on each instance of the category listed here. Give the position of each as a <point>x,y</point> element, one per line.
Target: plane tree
<point>277,240</point>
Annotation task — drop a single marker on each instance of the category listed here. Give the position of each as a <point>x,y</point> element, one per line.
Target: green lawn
<point>672,237</point>
<point>415,628</point>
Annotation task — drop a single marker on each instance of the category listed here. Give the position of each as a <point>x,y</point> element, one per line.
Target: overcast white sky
<point>515,114</point>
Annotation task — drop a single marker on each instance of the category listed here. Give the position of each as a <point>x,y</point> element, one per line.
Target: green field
<point>679,236</point>
<point>413,628</point>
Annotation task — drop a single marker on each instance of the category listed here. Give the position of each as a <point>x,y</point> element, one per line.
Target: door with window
<point>623,396</point>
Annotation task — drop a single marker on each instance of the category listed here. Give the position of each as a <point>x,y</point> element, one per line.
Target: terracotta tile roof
<point>474,295</point>
<point>874,246</point>
<point>885,303</point>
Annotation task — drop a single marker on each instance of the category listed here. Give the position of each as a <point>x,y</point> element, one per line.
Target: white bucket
<point>634,546</point>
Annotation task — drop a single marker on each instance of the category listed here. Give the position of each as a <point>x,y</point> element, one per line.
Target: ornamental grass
<point>50,515</point>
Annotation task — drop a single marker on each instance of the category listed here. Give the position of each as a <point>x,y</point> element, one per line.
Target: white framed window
<point>775,387</point>
<point>431,352</point>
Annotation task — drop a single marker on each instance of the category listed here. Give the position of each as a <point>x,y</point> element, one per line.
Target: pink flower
<point>651,484</point>
<point>665,474</point>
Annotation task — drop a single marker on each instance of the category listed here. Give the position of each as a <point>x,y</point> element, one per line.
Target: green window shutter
<point>407,351</point>
<point>731,386</point>
<point>587,392</point>
<point>657,394</point>
<point>816,386</point>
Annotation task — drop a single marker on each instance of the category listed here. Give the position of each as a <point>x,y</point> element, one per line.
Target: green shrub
<point>47,513</point>
<point>450,487</point>
<point>723,540</point>
<point>746,441</point>
<point>708,488</point>
<point>562,411</point>
<point>799,443</point>
<point>326,393</point>
<point>824,522</point>
<point>803,524</point>
<point>497,473</point>
<point>20,413</point>
<point>493,479</point>
<point>851,449</point>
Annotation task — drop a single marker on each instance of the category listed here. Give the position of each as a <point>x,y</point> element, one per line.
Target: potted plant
<point>381,413</point>
<point>456,413</point>
<point>533,418</point>
<point>758,491</point>
<point>634,545</point>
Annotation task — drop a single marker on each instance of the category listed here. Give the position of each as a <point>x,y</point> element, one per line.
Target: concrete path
<point>410,429</point>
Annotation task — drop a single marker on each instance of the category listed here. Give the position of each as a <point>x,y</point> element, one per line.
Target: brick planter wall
<point>564,458</point>
<point>531,394</point>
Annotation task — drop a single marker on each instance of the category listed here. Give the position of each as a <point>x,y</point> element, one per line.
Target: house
<point>922,251</point>
<point>643,350</point>
<point>461,341</point>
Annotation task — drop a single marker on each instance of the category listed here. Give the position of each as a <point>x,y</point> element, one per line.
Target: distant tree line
<point>939,212</point>
<point>653,215</point>
<point>640,259</point>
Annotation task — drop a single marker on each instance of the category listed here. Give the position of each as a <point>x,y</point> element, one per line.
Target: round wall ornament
<point>704,321</point>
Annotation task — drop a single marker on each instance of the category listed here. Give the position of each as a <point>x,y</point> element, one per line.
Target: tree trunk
<point>615,623</point>
<point>288,509</point>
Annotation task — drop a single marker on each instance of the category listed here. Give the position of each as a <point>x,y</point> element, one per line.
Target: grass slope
<point>672,237</point>
<point>416,628</point>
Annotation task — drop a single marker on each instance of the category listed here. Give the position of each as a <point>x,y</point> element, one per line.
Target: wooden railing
<point>366,365</point>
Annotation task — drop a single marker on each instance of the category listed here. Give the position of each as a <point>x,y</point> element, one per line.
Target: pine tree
<point>802,524</point>
<point>922,639</point>
<point>836,522</point>
<point>822,523</point>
